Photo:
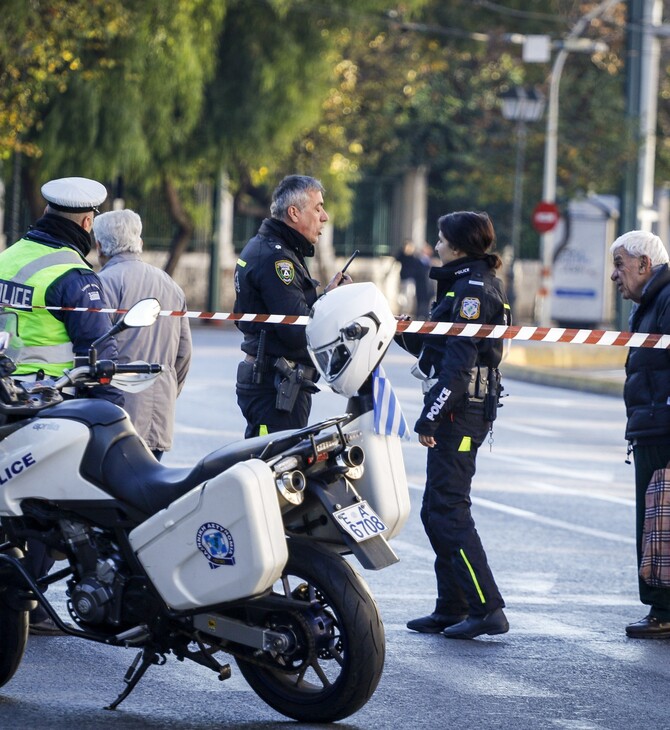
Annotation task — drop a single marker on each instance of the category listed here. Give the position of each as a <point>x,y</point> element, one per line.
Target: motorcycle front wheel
<point>13,629</point>
<point>337,651</point>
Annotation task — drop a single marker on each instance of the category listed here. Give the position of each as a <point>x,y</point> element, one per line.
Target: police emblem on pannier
<point>470,308</point>
<point>216,544</point>
<point>285,271</point>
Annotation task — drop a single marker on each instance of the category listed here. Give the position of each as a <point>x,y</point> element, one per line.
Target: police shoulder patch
<point>470,308</point>
<point>285,270</point>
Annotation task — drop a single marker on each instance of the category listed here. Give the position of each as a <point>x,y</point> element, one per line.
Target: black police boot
<point>434,623</point>
<point>494,622</point>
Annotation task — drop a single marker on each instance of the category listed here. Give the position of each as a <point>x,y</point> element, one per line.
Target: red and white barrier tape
<point>608,338</point>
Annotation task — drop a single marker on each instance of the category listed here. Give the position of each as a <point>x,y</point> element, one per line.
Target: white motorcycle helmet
<point>349,330</point>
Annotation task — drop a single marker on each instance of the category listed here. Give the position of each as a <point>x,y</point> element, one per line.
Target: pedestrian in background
<point>48,268</point>
<point>461,386</point>
<point>424,286</point>
<point>641,274</point>
<point>409,265</point>
<point>275,381</point>
<point>126,279</point>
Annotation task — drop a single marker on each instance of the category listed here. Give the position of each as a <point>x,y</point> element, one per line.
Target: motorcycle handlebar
<point>150,368</point>
<point>104,369</point>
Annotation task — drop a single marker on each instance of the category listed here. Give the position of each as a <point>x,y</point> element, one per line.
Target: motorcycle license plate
<point>360,521</point>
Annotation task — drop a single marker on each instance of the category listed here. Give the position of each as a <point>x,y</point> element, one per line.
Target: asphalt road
<point>553,502</point>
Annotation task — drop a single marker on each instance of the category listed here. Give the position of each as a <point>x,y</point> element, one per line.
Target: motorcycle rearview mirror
<point>141,314</point>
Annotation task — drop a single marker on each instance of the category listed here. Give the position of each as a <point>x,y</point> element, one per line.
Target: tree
<point>424,90</point>
<point>269,96</point>
<point>168,93</point>
<point>136,97</point>
<point>42,45</point>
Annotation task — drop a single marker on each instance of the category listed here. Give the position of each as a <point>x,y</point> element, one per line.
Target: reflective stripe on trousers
<point>464,579</point>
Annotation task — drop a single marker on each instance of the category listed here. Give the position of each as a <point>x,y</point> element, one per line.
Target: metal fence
<point>372,229</point>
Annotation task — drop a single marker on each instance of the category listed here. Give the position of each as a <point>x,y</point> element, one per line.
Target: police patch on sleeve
<point>470,307</point>
<point>285,271</point>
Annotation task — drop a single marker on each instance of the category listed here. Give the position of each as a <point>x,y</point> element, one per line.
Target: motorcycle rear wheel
<point>13,633</point>
<point>339,655</point>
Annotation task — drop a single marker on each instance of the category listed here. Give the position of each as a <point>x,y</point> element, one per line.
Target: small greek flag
<point>389,420</point>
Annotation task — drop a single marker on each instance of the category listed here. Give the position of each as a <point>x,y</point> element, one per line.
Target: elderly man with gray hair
<point>125,280</point>
<point>642,275</point>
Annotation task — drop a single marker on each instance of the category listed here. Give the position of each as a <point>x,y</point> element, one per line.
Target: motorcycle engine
<point>92,598</point>
<point>96,592</point>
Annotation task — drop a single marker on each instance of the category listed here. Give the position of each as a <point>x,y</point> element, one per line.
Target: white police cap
<point>74,194</point>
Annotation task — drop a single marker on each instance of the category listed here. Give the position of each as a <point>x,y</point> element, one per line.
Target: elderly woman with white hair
<point>125,280</point>
<point>642,275</point>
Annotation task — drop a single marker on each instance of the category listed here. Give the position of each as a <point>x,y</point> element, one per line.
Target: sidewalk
<point>592,368</point>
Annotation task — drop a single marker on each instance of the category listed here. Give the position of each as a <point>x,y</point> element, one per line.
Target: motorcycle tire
<point>338,656</point>
<point>13,634</point>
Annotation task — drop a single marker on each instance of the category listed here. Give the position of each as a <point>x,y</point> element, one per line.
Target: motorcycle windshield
<point>10,342</point>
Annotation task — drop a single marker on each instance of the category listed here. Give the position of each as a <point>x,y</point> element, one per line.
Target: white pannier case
<point>221,541</point>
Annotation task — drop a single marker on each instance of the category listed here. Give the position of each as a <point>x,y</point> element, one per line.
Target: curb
<point>571,379</point>
<point>564,356</point>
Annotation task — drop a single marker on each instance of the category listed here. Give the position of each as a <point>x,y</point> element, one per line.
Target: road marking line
<point>576,493</point>
<point>534,517</point>
<point>580,474</point>
<point>530,430</point>
<point>549,521</point>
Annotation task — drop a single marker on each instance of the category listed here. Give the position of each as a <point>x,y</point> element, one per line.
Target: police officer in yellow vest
<point>47,268</point>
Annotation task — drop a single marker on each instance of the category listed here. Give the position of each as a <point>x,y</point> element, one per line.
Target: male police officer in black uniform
<point>275,381</point>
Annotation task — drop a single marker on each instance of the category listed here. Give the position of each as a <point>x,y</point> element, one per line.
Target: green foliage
<point>278,100</point>
<point>177,90</point>
<point>42,46</point>
<point>424,91</point>
<point>138,95</point>
<point>269,84</point>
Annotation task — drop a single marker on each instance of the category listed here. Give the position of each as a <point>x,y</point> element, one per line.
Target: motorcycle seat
<point>119,462</point>
<point>131,474</point>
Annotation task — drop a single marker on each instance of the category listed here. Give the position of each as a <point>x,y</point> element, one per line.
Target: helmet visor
<point>333,359</point>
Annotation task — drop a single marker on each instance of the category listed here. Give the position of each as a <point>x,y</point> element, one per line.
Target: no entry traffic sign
<point>545,217</point>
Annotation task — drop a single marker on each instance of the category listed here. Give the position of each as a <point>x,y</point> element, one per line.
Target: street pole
<point>649,63</point>
<point>572,42</point>
<point>542,313</point>
<point>521,138</point>
<point>644,29</point>
<point>520,105</point>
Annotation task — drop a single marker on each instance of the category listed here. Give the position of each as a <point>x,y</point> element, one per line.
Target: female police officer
<point>461,386</point>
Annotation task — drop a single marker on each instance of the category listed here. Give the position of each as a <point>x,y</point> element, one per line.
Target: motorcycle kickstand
<point>135,673</point>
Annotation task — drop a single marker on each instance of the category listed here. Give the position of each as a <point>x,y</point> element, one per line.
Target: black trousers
<point>257,403</point>
<point>648,458</point>
<point>465,583</point>
<point>38,563</point>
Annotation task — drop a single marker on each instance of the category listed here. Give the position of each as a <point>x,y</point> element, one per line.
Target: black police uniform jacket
<point>468,291</point>
<point>647,388</point>
<point>271,277</point>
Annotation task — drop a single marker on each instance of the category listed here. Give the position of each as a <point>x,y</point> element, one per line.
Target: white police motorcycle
<point>243,553</point>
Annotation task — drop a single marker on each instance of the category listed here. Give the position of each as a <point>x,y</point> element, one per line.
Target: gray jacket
<point>125,280</point>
